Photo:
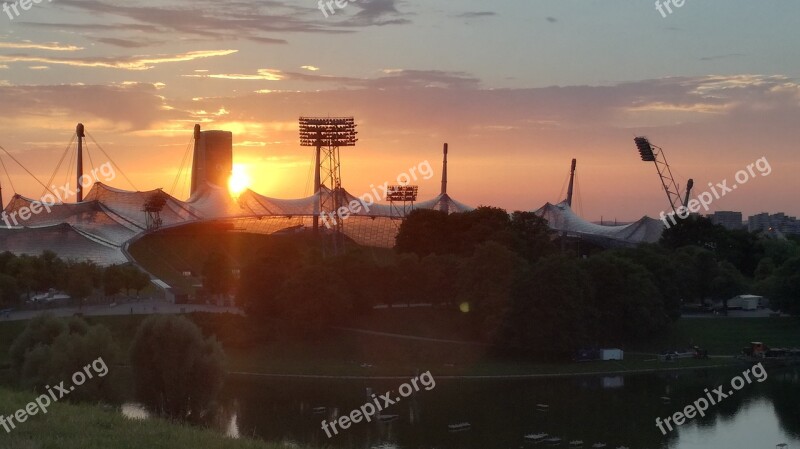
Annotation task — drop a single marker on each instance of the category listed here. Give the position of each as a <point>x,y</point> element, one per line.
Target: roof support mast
<point>81,135</point>
<point>571,182</point>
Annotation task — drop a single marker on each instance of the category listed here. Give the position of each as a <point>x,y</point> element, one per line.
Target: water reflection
<point>616,411</point>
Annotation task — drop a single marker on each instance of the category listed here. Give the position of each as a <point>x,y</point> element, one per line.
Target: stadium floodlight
<point>331,132</point>
<point>402,193</point>
<point>655,154</point>
<point>645,149</point>
<point>326,135</point>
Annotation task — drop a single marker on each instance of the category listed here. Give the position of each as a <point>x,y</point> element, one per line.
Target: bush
<point>50,350</point>
<point>177,373</point>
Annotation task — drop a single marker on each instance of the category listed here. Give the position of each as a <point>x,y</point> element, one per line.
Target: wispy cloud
<point>262,75</point>
<point>476,14</point>
<point>714,58</point>
<point>26,45</point>
<point>123,63</point>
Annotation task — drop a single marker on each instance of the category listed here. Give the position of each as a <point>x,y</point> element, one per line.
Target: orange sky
<point>516,100</point>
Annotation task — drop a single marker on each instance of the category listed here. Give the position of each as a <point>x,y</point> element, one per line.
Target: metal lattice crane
<point>655,154</point>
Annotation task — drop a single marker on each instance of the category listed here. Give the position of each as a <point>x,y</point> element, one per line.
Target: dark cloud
<point>714,58</point>
<point>551,19</point>
<point>376,12</point>
<point>261,21</point>
<point>127,43</point>
<point>476,14</point>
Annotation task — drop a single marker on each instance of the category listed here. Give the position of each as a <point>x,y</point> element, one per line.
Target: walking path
<point>144,307</point>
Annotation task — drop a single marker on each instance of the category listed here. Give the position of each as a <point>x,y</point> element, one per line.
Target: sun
<point>239,180</point>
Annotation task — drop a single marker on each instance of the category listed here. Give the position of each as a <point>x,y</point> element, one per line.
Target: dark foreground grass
<point>67,426</point>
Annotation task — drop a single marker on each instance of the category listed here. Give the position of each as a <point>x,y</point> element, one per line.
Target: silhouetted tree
<point>176,371</point>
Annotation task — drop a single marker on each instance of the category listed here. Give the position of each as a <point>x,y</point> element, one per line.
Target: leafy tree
<point>439,278</point>
<point>629,305</point>
<point>9,291</point>
<point>134,279</point>
<point>313,298</point>
<point>695,267</point>
<point>727,284</point>
<point>263,278</point>
<point>532,236</point>
<point>217,274</point>
<point>113,280</point>
<point>550,310</point>
<point>51,350</point>
<point>786,283</point>
<point>177,373</point>
<point>81,279</point>
<point>424,232</point>
<point>485,283</point>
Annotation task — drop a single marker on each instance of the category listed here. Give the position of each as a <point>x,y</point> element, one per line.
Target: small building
<point>746,302</point>
<point>611,354</point>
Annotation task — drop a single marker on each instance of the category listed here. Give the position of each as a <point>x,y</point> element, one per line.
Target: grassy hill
<point>67,426</point>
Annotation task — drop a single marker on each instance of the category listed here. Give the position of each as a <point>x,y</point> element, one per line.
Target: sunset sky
<point>517,87</point>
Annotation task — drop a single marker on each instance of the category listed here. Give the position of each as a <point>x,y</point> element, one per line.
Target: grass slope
<point>67,426</point>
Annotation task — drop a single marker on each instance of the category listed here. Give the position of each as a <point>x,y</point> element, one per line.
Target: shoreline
<point>482,377</point>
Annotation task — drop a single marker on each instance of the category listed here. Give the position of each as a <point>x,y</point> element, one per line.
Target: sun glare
<point>239,180</point>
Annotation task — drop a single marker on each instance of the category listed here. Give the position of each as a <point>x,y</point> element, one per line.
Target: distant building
<point>213,159</point>
<point>730,220</point>
<point>776,222</point>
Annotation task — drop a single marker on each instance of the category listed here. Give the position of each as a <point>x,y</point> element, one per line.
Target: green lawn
<point>727,336</point>
<point>67,426</point>
<point>355,354</point>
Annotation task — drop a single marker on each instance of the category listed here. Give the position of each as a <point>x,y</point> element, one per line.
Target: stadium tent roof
<point>561,218</point>
<point>64,240</point>
<point>98,228</point>
<point>444,203</point>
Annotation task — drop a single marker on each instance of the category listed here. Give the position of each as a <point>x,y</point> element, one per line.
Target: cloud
<point>262,75</point>
<point>128,43</point>
<point>389,79</point>
<point>211,20</point>
<point>551,19</point>
<point>714,58</point>
<point>310,68</point>
<point>128,106</point>
<point>476,14</point>
<point>123,63</point>
<point>52,46</point>
<point>376,13</point>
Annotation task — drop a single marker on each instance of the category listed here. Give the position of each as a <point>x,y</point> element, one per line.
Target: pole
<point>81,135</point>
<point>317,186</point>
<point>571,182</point>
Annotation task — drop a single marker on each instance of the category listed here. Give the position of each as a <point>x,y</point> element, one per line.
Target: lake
<point>614,410</point>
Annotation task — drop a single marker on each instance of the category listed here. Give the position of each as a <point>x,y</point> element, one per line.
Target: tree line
<point>24,276</point>
<point>523,288</point>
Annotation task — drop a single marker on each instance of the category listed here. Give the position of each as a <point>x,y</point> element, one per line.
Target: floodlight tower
<point>327,135</point>
<point>403,194</point>
<point>652,153</point>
